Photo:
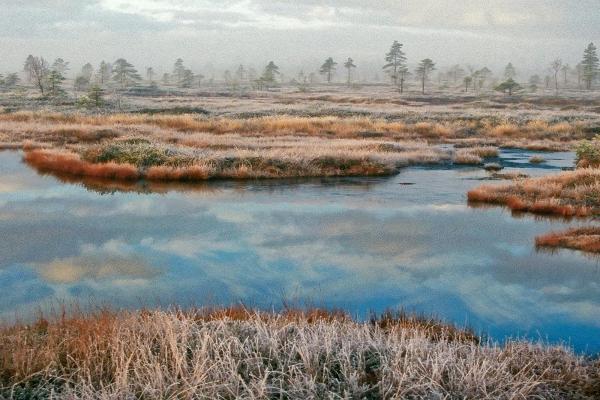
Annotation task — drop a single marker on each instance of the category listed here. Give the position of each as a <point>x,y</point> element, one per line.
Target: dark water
<point>364,244</point>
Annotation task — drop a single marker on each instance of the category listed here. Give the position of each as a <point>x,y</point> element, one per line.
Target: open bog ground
<point>355,201</point>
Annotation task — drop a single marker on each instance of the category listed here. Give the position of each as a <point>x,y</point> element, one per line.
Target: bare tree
<point>39,69</point>
<point>565,70</point>
<point>555,67</point>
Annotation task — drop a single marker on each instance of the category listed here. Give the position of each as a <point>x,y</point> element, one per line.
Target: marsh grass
<point>192,147</point>
<point>568,194</point>
<point>240,353</point>
<point>586,239</point>
<point>206,156</point>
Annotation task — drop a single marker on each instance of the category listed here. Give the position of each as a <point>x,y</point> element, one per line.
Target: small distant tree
<point>81,84</point>
<point>510,72</point>
<point>456,73</point>
<point>579,71</point>
<point>555,67</point>
<point>424,70</point>
<point>468,81</point>
<point>395,59</point>
<point>55,80</point>
<point>125,74</point>
<point>199,79</point>
<point>96,96</point>
<point>28,68</point>
<point>104,73</point>
<point>328,68</point>
<point>252,74</point>
<point>60,66</point>
<point>269,74</point>
<point>166,78</point>
<point>481,76</point>
<point>349,65</point>
<point>178,70</point>
<point>591,65</point>
<point>150,74</point>
<point>87,71</point>
<point>403,73</point>
<point>240,73</point>
<point>565,71</point>
<point>11,80</point>
<point>509,87</point>
<point>39,70</point>
<point>534,82</point>
<point>187,79</point>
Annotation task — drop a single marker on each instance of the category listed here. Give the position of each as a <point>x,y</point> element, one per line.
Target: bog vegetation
<point>240,353</point>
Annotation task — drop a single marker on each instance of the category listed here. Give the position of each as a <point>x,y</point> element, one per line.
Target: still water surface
<point>362,244</point>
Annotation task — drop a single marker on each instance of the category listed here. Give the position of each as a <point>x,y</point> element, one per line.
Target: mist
<point>218,35</point>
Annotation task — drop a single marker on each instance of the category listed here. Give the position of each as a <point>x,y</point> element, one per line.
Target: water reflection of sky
<point>359,244</point>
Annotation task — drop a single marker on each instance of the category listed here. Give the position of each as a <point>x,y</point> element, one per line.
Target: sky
<point>211,35</point>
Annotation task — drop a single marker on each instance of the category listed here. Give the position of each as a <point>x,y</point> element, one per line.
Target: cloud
<point>113,260</point>
<point>299,33</point>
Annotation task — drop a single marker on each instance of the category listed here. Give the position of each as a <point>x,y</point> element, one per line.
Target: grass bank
<point>238,353</point>
<point>568,194</point>
<point>585,239</point>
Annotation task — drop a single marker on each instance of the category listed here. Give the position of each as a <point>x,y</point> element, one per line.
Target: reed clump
<point>568,194</point>
<point>240,353</point>
<point>586,239</point>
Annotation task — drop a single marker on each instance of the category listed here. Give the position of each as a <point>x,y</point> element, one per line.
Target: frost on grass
<point>237,353</point>
<point>568,194</point>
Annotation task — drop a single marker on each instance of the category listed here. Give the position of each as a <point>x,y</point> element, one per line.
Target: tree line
<point>121,75</point>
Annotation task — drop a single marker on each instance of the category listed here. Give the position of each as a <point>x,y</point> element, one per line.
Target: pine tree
<point>95,95</point>
<point>591,65</point>
<point>28,67</point>
<point>328,68</point>
<point>55,80</point>
<point>396,59</point>
<point>423,70</point>
<point>60,66</point>
<point>104,73</point>
<point>509,86</point>
<point>187,79</point>
<point>178,70</point>
<point>349,65</point>
<point>269,74</point>
<point>87,71</point>
<point>510,72</point>
<point>125,74</point>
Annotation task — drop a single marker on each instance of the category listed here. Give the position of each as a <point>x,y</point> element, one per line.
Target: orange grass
<point>585,239</point>
<point>568,194</point>
<point>72,164</point>
<point>242,353</point>
<point>89,128</point>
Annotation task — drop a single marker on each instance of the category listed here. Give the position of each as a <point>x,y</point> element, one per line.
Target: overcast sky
<point>297,33</point>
